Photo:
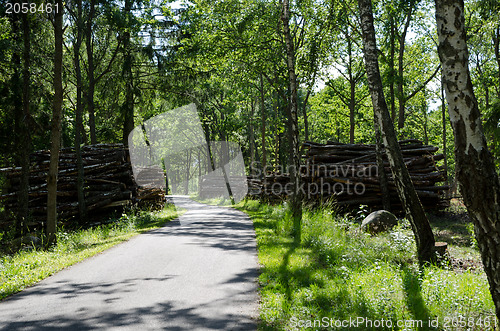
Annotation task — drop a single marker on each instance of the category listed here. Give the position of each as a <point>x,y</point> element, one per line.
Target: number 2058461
<point>481,323</point>
<point>27,7</point>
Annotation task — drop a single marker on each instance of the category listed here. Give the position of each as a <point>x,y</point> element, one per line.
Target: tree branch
<point>424,84</point>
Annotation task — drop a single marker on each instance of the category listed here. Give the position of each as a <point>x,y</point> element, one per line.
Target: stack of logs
<point>151,183</point>
<point>348,173</point>
<point>108,182</point>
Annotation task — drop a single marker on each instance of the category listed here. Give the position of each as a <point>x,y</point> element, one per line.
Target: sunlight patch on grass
<point>340,272</point>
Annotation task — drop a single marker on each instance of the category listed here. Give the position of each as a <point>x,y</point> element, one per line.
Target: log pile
<point>108,183</point>
<point>348,174</point>
<point>149,193</point>
<point>255,186</point>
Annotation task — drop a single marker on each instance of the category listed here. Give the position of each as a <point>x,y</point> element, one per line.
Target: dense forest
<point>269,76</point>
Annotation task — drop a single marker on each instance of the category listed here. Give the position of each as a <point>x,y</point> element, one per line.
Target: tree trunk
<point>276,119</point>
<point>210,163</point>
<point>445,153</point>
<point>384,188</point>
<point>91,73</point>
<point>483,79</point>
<point>165,168</point>
<point>19,126</point>
<point>496,48</point>
<point>409,199</point>
<point>225,161</point>
<point>401,97</point>
<point>296,199</point>
<point>392,71</point>
<point>55,127</point>
<point>251,137</point>
<point>426,119</point>
<point>82,209</point>
<point>25,141</point>
<point>15,82</point>
<point>188,171</point>
<point>475,169</point>
<point>128,105</point>
<point>352,93</point>
<point>263,126</point>
<point>277,156</point>
<point>486,96</point>
<point>254,140</point>
<point>306,119</point>
<point>402,40</point>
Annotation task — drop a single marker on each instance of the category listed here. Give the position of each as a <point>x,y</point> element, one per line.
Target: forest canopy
<point>141,58</point>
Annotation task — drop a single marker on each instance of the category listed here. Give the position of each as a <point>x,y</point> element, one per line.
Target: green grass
<point>27,267</point>
<point>340,273</point>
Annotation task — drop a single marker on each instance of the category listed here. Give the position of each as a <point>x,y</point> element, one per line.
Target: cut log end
<point>441,247</point>
<point>441,253</point>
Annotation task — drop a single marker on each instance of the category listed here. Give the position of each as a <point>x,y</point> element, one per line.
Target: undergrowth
<point>26,267</point>
<point>339,276</point>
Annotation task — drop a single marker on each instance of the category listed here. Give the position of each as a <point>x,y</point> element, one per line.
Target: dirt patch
<point>452,227</point>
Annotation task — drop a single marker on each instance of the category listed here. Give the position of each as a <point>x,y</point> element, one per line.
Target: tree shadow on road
<point>225,229</point>
<point>107,312</point>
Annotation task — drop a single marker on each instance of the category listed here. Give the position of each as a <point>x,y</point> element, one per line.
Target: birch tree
<point>475,169</point>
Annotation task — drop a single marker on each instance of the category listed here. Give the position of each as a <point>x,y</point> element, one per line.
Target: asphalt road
<point>197,273</point>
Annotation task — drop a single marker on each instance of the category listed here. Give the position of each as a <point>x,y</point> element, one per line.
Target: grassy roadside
<point>26,268</point>
<point>340,274</point>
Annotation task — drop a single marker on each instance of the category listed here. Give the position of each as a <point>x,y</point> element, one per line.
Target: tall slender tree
<point>384,188</point>
<point>409,199</point>
<point>89,45</point>
<point>263,124</point>
<point>25,145</point>
<point>408,7</point>
<point>128,104</point>
<point>475,170</point>
<point>17,87</point>
<point>99,34</point>
<point>296,199</point>
<point>444,124</point>
<point>55,126</point>
<point>82,208</point>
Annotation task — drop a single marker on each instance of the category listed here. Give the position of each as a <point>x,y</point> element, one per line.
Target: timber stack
<point>149,189</point>
<point>348,174</point>
<point>108,183</point>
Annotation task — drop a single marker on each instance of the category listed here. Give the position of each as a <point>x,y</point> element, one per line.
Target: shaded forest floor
<point>454,227</point>
<point>340,273</point>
